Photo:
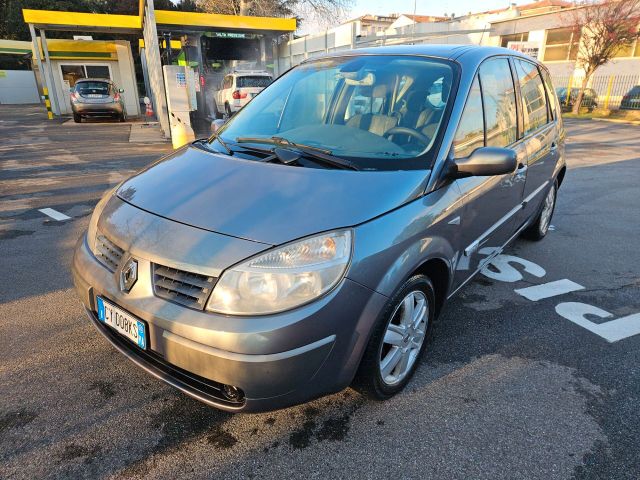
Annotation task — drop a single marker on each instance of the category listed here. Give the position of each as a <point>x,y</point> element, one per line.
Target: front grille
<point>108,252</point>
<point>186,288</point>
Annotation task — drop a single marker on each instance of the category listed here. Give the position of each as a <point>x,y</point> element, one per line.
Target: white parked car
<point>237,89</point>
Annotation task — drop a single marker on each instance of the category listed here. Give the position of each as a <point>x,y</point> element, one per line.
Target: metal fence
<point>603,91</point>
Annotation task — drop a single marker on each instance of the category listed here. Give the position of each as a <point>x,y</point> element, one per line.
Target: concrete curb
<point>617,120</point>
<point>146,133</point>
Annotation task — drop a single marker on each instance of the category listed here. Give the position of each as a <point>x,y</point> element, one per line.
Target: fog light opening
<point>233,394</point>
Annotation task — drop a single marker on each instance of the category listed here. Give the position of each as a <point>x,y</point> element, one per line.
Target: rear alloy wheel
<point>399,340</point>
<point>539,228</point>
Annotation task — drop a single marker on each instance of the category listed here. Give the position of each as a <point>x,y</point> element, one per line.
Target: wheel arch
<point>561,174</point>
<point>438,271</point>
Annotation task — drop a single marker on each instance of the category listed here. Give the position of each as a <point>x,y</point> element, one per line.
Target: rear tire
<point>77,118</point>
<point>227,110</point>
<point>122,118</point>
<point>394,340</point>
<point>216,114</point>
<point>540,226</point>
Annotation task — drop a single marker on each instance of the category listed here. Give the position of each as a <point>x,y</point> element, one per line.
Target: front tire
<point>540,226</point>
<point>399,340</point>
<point>77,118</point>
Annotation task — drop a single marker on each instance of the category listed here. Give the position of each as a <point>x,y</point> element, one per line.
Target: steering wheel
<point>408,131</point>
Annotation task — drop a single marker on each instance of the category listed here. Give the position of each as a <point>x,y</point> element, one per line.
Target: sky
<point>427,7</point>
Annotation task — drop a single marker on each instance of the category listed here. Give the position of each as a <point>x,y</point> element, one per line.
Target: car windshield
<point>379,112</point>
<point>260,81</point>
<point>92,88</point>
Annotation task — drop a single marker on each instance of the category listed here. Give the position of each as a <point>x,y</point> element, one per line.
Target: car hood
<point>265,202</point>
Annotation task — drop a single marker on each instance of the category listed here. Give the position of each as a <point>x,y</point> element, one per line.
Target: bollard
<point>47,102</point>
<point>609,87</point>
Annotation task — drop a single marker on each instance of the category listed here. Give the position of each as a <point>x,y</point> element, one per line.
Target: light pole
<point>413,33</point>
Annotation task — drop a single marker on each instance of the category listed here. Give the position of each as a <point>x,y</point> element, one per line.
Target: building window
<point>562,44</point>
<point>516,37</point>
<point>632,50</point>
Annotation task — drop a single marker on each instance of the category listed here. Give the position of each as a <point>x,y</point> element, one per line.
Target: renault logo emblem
<point>128,275</point>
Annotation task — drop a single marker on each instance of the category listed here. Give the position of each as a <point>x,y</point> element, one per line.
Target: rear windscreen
<point>257,81</point>
<point>92,88</point>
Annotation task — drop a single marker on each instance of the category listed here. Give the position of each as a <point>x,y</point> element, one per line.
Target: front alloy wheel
<point>404,337</point>
<point>398,340</point>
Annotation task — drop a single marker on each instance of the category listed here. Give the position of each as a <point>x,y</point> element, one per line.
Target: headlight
<point>283,278</point>
<point>92,231</point>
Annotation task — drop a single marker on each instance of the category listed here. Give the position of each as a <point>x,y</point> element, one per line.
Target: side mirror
<point>216,125</point>
<point>483,162</point>
<point>121,90</point>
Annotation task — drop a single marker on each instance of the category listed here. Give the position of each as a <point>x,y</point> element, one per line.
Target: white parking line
<point>611,331</point>
<point>506,272</point>
<point>550,289</point>
<point>50,212</point>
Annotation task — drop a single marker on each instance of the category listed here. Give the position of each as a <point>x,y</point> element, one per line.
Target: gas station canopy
<point>175,20</point>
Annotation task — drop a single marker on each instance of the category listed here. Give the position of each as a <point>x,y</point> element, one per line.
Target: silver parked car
<point>96,97</point>
<point>313,240</point>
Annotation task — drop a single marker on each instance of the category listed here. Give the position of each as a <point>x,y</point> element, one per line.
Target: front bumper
<point>277,360</point>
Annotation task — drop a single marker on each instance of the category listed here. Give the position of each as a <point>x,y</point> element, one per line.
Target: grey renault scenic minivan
<point>313,240</point>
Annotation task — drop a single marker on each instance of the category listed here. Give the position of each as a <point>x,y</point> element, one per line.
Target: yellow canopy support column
<point>36,51</point>
<point>52,84</point>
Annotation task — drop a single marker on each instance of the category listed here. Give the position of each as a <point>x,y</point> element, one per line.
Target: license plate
<point>94,95</point>
<point>122,322</point>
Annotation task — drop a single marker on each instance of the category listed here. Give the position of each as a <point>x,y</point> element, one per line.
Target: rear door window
<point>534,105</point>
<point>551,94</point>
<point>499,100</point>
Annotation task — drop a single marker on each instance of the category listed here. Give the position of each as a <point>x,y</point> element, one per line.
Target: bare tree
<point>605,27</point>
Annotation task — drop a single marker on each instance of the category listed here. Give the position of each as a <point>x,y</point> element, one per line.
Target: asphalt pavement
<point>518,383</point>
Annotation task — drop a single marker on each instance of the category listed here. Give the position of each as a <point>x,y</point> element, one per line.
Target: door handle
<point>554,146</point>
<point>522,167</point>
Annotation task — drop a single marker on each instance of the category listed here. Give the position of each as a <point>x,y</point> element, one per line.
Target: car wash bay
<point>208,44</point>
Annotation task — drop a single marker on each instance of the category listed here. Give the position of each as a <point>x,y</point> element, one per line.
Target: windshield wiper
<point>217,137</point>
<point>316,153</point>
